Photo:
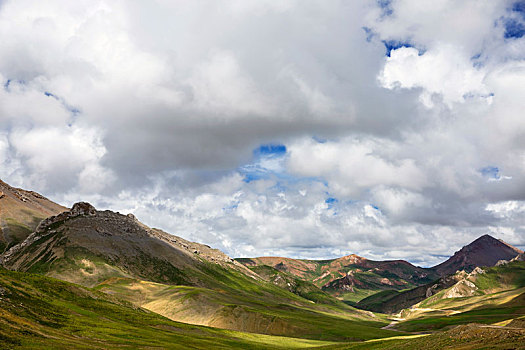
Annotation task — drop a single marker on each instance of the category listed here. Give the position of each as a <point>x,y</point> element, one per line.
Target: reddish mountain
<point>484,251</point>
<point>349,274</point>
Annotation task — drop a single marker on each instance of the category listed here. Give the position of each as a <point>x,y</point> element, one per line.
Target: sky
<point>308,129</point>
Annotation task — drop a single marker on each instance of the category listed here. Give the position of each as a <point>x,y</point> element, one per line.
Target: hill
<point>20,213</point>
<point>484,251</point>
<point>351,277</point>
<point>494,295</point>
<point>181,280</point>
<point>38,312</point>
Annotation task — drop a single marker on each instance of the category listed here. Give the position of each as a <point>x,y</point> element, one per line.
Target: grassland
<point>44,313</point>
<point>240,303</point>
<point>466,337</point>
<point>499,296</point>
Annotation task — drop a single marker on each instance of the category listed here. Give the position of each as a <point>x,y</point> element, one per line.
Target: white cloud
<point>443,70</point>
<point>156,108</point>
<point>352,165</point>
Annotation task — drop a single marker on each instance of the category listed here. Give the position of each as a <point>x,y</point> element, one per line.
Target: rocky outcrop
<point>346,283</point>
<point>463,288</point>
<point>78,209</point>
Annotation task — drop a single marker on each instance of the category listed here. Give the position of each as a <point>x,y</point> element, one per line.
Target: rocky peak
<point>78,209</point>
<point>82,208</point>
<point>484,251</point>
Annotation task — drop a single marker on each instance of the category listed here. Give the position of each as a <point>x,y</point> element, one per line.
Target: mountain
<point>484,251</point>
<point>506,275</point>
<point>351,277</point>
<point>182,280</point>
<point>492,295</point>
<point>393,301</point>
<point>104,244</point>
<point>20,213</point>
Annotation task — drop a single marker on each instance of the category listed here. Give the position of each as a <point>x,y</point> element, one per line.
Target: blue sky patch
<point>270,149</point>
<point>331,200</point>
<point>386,7</point>
<point>492,172</point>
<point>396,44</point>
<point>266,163</point>
<point>514,29</point>
<point>369,33</point>
<point>519,7</point>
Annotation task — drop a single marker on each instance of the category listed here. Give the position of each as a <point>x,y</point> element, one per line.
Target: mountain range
<point>108,260</point>
<point>352,277</point>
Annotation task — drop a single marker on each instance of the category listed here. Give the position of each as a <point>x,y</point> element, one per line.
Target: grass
<point>467,337</point>
<point>500,296</point>
<point>271,310</point>
<point>44,313</point>
<point>369,298</point>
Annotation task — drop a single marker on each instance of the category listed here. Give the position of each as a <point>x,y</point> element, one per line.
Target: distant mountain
<point>393,301</point>
<point>458,273</point>
<point>492,295</point>
<point>484,251</point>
<point>20,213</point>
<point>353,277</point>
<point>350,275</point>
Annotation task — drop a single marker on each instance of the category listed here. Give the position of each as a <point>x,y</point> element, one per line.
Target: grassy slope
<point>41,312</point>
<point>20,213</point>
<point>212,295</point>
<point>500,296</point>
<point>467,337</point>
<point>295,285</point>
<point>241,303</point>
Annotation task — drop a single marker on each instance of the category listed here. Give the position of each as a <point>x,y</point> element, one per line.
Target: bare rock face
<point>82,208</point>
<point>78,209</point>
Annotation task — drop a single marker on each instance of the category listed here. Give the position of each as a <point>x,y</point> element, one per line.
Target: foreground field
<point>44,313</point>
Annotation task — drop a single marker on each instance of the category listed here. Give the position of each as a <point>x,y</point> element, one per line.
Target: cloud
<point>383,115</point>
<point>443,71</point>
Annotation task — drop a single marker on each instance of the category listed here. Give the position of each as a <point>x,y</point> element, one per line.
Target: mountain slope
<point>182,280</point>
<point>20,213</point>
<point>105,244</point>
<point>394,301</point>
<point>484,251</point>
<point>351,277</point>
<point>38,312</point>
<point>455,294</point>
<point>494,295</point>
